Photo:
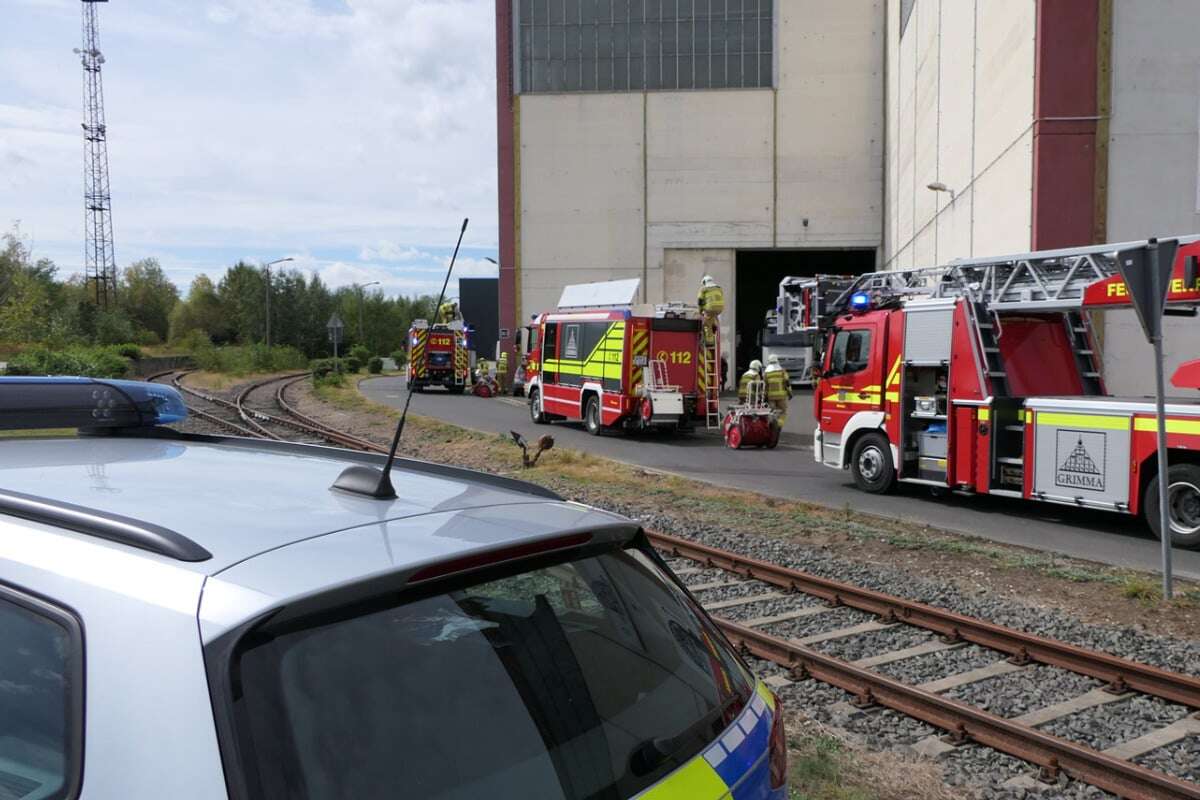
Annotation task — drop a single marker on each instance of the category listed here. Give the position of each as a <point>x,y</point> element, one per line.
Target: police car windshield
<point>592,678</point>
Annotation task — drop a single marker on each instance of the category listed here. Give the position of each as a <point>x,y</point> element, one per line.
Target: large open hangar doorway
<point>757,274</point>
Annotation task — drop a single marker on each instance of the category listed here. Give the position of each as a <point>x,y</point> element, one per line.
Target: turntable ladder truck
<point>985,377</point>
<point>793,330</point>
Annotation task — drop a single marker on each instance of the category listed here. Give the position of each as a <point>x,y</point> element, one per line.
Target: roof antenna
<point>377,483</point>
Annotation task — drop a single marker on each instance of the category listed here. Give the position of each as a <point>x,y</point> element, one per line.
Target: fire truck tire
<point>871,464</point>
<point>419,388</point>
<point>591,416</point>
<point>456,389</point>
<point>1183,505</point>
<point>535,408</point>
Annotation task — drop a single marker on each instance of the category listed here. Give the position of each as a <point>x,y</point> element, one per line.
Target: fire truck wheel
<point>871,464</point>
<point>591,416</point>
<point>419,388</point>
<point>1183,505</point>
<point>535,408</point>
<point>456,389</point>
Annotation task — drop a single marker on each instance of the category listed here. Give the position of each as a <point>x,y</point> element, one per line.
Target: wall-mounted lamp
<point>938,186</point>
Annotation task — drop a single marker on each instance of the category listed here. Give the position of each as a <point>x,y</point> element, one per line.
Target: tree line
<point>38,306</point>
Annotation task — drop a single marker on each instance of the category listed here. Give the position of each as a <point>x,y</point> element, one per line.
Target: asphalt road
<point>790,471</point>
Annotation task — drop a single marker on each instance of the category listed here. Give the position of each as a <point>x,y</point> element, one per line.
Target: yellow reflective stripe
<point>1092,421</point>
<point>1191,426</point>
<point>765,694</point>
<point>984,414</point>
<point>894,375</point>
<point>1028,417</point>
<point>893,396</point>
<point>695,780</point>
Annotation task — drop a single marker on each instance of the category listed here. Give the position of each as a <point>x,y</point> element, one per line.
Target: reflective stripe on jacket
<point>778,386</point>
<point>711,300</point>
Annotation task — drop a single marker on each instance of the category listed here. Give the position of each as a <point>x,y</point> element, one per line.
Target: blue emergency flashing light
<point>86,403</point>
<point>860,301</point>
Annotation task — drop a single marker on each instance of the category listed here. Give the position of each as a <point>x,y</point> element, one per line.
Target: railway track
<point>1113,679</point>
<point>866,679</point>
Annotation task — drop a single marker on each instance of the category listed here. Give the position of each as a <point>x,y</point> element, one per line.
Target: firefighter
<point>502,370</point>
<point>779,388</point>
<point>751,377</point>
<point>712,302</point>
<point>447,312</point>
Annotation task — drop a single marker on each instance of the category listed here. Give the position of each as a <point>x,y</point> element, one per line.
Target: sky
<point>350,135</point>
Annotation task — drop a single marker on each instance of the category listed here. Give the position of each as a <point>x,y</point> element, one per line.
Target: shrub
<point>322,367</point>
<point>375,365</point>
<point>329,379</point>
<point>128,350</point>
<point>360,353</point>
<point>400,357</point>
<point>352,364</point>
<point>94,362</point>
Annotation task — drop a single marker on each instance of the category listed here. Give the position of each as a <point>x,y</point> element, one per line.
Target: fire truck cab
<point>610,362</point>
<point>985,377</point>
<point>438,356</point>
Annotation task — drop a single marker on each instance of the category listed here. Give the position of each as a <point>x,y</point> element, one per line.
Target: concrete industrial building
<point>750,139</point>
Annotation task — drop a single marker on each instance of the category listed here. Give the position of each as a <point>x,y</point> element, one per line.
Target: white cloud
<point>366,126</point>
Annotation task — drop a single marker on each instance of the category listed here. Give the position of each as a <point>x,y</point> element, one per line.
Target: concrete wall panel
<point>830,123</point>
<point>709,157</point>
<point>1152,159</point>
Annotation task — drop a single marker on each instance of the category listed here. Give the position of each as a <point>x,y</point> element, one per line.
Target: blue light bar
<point>87,403</point>
<point>860,301</point>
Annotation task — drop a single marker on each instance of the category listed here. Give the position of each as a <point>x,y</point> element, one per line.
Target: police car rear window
<point>40,700</point>
<point>592,678</point>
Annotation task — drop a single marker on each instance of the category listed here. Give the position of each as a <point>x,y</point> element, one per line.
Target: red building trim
<point>506,172</point>
<point>1065,102</point>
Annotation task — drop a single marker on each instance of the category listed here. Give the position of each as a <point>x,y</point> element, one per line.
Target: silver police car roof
<point>241,500</point>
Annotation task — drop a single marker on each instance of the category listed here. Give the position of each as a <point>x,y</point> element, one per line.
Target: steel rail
<point>255,418</point>
<point>1120,674</point>
<point>320,428</point>
<point>199,412</point>
<point>966,723</point>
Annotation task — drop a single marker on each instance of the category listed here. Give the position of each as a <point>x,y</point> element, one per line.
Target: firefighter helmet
<point>756,365</point>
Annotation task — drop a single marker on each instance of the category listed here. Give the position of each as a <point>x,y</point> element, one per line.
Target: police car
<point>187,616</point>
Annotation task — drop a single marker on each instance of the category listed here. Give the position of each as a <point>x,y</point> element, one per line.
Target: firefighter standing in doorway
<point>779,388</point>
<point>751,383</point>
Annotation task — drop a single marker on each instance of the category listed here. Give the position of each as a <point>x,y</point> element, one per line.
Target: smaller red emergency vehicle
<point>437,356</point>
<point>610,362</point>
<point>985,377</point>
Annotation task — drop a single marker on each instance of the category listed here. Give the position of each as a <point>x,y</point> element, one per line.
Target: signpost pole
<point>1158,288</point>
<point>1147,271</point>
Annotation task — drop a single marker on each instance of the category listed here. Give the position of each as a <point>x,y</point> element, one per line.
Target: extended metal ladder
<point>1047,280</point>
<point>712,383</point>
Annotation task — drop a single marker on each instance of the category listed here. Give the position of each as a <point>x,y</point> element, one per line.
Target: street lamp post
<point>267,268</point>
<point>360,287</point>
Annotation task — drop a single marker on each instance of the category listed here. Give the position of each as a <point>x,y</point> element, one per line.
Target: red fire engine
<point>610,362</point>
<point>985,377</point>
<point>438,356</point>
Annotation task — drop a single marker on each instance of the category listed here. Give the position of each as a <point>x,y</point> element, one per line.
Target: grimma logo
<point>1081,457</point>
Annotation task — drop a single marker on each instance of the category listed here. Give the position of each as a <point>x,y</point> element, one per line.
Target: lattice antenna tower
<point>100,264</point>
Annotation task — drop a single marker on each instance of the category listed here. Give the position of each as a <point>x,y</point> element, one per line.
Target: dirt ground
<point>1094,593</point>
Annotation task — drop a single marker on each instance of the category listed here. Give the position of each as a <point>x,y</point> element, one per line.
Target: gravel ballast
<point>1104,726</point>
<point>1014,694</point>
<point>1181,759</point>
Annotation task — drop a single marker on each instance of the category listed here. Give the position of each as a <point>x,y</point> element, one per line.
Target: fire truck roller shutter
<point>417,355</point>
<point>590,351</point>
